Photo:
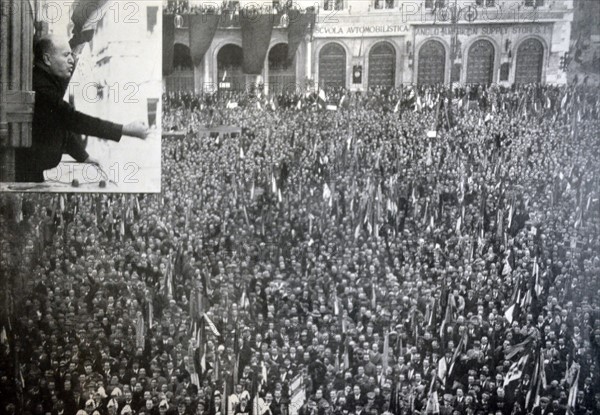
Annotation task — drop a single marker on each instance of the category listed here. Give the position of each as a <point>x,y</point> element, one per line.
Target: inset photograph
<point>81,87</point>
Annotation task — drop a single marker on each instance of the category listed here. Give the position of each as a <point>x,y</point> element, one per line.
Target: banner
<point>202,31</point>
<point>256,36</point>
<point>85,17</point>
<point>168,40</point>
<point>299,25</point>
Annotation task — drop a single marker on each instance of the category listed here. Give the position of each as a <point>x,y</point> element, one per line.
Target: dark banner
<point>85,12</point>
<point>202,31</point>
<point>256,36</point>
<point>168,43</point>
<point>298,27</point>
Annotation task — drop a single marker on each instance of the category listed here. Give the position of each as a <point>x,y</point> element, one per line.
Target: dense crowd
<point>342,261</point>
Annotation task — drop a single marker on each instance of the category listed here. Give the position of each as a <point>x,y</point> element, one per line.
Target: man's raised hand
<point>137,129</point>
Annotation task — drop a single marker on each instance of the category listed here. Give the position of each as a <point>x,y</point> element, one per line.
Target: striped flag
<point>516,370</point>
<point>211,326</point>
<point>442,369</point>
<point>573,390</point>
<point>139,332</point>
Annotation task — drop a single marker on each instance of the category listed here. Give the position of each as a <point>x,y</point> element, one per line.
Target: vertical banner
<point>168,42</point>
<point>202,31</point>
<point>256,36</point>
<point>299,24</point>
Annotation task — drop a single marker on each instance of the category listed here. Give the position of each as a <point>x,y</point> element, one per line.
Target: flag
<point>535,377</point>
<point>344,101</point>
<point>86,16</point>
<point>273,184</point>
<point>321,98</point>
<point>326,192</point>
<point>244,302</point>
<point>433,404</point>
<point>506,269</point>
<point>336,305</point>
<point>457,351</point>
<point>509,313</point>
<point>263,373</point>
<point>518,348</point>
<point>211,326</point>
<point>139,332</point>
<point>386,353</point>
<point>168,281</point>
<point>442,369</point>
<point>573,390</point>
<point>203,361</point>
<point>4,339</point>
<point>516,370</point>
<point>373,297</point>
<point>418,104</point>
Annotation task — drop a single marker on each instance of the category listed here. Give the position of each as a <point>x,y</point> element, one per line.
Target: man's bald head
<point>53,53</point>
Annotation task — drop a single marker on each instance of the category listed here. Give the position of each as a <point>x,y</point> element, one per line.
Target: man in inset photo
<point>56,123</point>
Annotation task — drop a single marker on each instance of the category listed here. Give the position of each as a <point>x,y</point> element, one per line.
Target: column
<point>309,71</point>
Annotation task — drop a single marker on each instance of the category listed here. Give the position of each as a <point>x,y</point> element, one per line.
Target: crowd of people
<point>411,251</point>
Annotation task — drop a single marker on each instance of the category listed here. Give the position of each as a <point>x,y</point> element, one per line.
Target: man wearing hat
<point>543,408</point>
<point>243,408</point>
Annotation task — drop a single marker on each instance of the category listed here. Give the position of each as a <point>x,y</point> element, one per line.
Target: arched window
<point>432,63</point>
<point>480,65</point>
<point>332,66</point>
<point>530,59</point>
<point>282,72</point>
<point>229,68</point>
<point>382,65</point>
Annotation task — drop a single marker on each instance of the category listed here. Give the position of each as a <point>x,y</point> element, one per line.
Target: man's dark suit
<point>55,127</point>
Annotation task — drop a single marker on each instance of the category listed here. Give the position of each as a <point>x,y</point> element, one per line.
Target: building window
<point>534,3</point>
<point>440,4</point>
<point>487,3</point>
<point>333,4</point>
<point>384,4</point>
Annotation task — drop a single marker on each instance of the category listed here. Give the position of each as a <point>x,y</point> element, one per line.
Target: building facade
<point>360,44</point>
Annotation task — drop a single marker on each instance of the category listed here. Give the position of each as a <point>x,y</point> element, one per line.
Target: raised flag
<point>4,339</point>
<point>574,385</point>
<point>203,27</point>
<point>326,192</point>
<point>86,16</point>
<point>256,29</point>
<point>509,314</point>
<point>386,353</point>
<point>516,370</point>
<point>442,369</point>
<point>512,351</point>
<point>211,325</point>
<point>344,102</point>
